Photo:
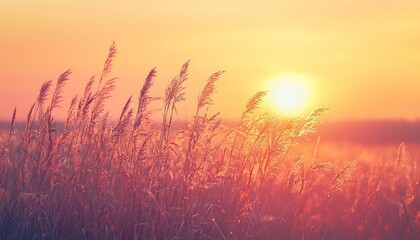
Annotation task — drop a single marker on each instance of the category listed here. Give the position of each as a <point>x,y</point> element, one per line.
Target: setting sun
<point>288,94</point>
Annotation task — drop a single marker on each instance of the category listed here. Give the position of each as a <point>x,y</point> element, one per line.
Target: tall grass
<point>125,179</point>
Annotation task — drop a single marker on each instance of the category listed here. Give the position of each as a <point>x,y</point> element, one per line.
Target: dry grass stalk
<point>56,97</point>
<point>341,178</point>
<point>174,94</point>
<point>401,156</point>
<point>144,99</point>
<point>108,62</point>
<point>71,112</point>
<point>208,90</point>
<point>12,123</point>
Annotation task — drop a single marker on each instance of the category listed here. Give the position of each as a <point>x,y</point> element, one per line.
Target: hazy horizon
<point>365,132</point>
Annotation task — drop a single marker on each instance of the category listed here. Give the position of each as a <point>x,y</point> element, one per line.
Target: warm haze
<point>317,136</point>
<point>359,57</point>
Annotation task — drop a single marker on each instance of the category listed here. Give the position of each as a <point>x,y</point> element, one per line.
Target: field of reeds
<point>138,178</point>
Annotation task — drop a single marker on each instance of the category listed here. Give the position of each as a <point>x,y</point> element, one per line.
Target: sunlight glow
<point>289,94</point>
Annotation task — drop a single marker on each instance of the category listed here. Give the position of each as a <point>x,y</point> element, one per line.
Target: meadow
<point>135,177</point>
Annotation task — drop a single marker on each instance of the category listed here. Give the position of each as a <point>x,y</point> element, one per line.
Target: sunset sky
<point>361,58</point>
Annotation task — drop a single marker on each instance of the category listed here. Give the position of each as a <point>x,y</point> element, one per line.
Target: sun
<point>289,94</point>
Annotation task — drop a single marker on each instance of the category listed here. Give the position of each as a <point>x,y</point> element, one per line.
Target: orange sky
<point>361,57</point>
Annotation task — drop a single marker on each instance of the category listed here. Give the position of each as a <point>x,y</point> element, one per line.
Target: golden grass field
<point>135,177</point>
